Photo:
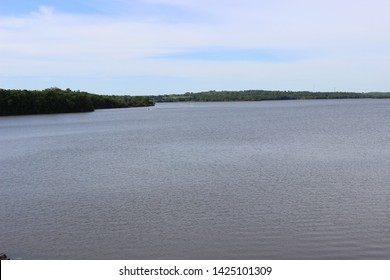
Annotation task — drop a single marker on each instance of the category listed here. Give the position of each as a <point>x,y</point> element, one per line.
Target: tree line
<point>260,95</point>
<point>55,100</point>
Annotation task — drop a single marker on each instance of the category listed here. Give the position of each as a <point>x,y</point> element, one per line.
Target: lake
<point>305,179</point>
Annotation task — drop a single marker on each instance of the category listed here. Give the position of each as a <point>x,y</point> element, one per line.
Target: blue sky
<point>175,46</point>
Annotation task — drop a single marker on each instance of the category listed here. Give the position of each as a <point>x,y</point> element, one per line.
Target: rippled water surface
<point>250,180</point>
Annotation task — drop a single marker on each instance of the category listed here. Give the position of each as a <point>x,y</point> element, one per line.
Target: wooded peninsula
<point>55,100</point>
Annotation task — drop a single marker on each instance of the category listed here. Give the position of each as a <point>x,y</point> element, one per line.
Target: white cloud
<point>45,11</point>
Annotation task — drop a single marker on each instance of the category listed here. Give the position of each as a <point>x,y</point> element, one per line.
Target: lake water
<point>250,180</point>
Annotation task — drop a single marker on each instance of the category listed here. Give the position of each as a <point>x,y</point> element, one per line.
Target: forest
<point>259,95</point>
<point>55,100</point>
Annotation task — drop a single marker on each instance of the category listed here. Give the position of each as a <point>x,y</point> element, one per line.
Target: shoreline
<point>4,257</point>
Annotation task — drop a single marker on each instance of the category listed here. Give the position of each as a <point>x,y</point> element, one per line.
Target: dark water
<point>252,180</point>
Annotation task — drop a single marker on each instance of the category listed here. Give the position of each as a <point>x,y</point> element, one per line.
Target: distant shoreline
<point>262,95</point>
<point>56,101</point>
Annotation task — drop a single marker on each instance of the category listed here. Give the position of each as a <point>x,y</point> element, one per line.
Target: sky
<point>143,47</point>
